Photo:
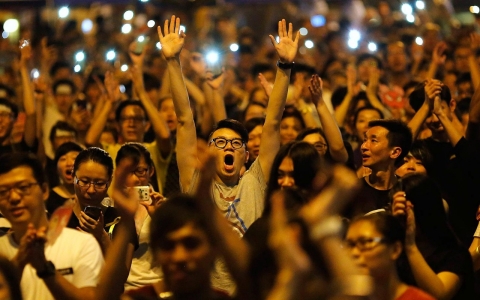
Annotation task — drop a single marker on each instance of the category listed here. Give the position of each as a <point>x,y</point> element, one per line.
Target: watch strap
<point>285,66</point>
<point>48,271</point>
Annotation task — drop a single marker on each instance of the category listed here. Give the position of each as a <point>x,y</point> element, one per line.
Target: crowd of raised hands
<point>243,181</point>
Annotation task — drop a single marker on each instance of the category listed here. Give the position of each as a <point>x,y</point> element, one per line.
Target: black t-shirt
<point>457,172</point>
<point>368,199</point>
<point>111,219</point>
<point>18,147</point>
<point>454,259</point>
<point>54,201</point>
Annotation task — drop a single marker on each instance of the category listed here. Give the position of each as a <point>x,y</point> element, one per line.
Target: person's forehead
<point>257,130</point>
<point>313,137</point>
<point>368,113</point>
<point>362,228</point>
<point>20,173</point>
<point>91,168</point>
<point>132,110</point>
<point>166,103</point>
<point>378,131</point>
<point>226,133</point>
<point>189,230</point>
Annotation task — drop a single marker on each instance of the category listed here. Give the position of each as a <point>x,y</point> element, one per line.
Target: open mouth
<point>228,160</point>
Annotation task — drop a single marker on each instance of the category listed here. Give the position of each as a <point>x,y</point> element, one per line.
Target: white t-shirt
<point>142,271</point>
<point>75,254</point>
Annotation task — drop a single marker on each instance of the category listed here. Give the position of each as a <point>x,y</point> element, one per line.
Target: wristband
<point>48,271</point>
<point>477,232</point>
<point>332,226</point>
<point>285,66</point>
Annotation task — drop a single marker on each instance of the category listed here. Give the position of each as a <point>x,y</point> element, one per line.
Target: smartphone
<point>142,192</point>
<point>93,212</point>
<point>141,42</point>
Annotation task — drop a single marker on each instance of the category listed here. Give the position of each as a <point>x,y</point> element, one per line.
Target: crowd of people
<point>277,172</point>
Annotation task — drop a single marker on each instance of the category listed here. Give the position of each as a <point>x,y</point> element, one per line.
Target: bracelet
<point>285,66</point>
<point>332,226</point>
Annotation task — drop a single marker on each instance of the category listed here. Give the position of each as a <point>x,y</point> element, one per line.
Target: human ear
<point>247,155</point>
<point>397,250</point>
<point>45,191</point>
<point>396,151</point>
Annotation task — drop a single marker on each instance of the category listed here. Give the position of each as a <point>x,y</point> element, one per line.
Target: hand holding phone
<point>93,212</point>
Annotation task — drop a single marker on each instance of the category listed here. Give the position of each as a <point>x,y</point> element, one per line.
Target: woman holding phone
<point>92,171</point>
<point>142,271</point>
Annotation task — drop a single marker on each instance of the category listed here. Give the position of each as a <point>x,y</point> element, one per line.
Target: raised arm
<point>160,128</point>
<point>28,97</point>
<point>336,147</point>
<point>286,49</point>
<point>172,40</point>
<point>342,110</point>
<point>443,285</point>
<point>433,88</point>
<point>92,137</point>
<point>438,59</point>
<point>472,59</point>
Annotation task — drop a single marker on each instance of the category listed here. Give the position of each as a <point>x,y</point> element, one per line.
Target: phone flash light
<point>212,57</point>
<point>111,55</point>
<point>77,68</point>
<point>372,47</point>
<point>80,56</point>
<point>124,68</point>
<point>419,41</point>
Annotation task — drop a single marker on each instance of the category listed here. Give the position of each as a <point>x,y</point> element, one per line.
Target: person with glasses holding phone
<point>375,242</point>
<point>92,171</point>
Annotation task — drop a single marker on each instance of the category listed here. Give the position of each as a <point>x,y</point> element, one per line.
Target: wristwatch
<point>285,66</point>
<point>48,271</point>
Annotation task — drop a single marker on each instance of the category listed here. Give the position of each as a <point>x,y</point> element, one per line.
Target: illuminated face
<point>253,144</point>
<point>229,161</point>
<point>133,124</point>
<point>361,124</point>
<point>375,148</point>
<point>411,165</point>
<point>461,60</point>
<point>65,167</point>
<point>285,173</point>
<point>368,249</point>
<point>89,174</point>
<point>364,69</point>
<point>141,175</point>
<point>318,141</point>
<point>289,129</point>
<point>186,258</point>
<point>167,113</point>
<point>21,209</point>
<point>63,102</point>
<point>396,58</point>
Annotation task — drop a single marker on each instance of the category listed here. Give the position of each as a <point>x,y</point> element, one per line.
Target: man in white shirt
<point>64,268</point>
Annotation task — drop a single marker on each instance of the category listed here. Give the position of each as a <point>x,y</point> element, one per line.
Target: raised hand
<point>373,81</point>
<point>216,83</point>
<point>137,58</point>
<point>351,80</point>
<point>267,86</point>
<point>172,39</point>
<point>399,205</point>
<point>316,89</point>
<point>125,200</point>
<point>157,200</point>
<point>287,45</point>
<point>25,52</point>
<point>433,88</point>
<point>112,86</point>
<point>438,55</point>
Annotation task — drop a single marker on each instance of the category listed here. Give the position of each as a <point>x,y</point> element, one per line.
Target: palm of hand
<point>172,44</point>
<point>286,49</point>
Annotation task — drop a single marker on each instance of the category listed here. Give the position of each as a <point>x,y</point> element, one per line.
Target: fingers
<point>172,24</point>
<point>290,30</point>
<point>272,39</point>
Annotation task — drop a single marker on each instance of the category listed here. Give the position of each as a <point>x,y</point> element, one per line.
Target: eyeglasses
<point>5,115</point>
<point>23,189</point>
<point>221,143</point>
<point>363,244</point>
<point>97,185</point>
<point>140,172</point>
<point>134,119</point>
<point>320,146</point>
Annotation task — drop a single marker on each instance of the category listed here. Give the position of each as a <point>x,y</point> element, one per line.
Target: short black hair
<point>389,226</point>
<point>417,97</point>
<point>172,215</point>
<point>13,107</point>
<point>419,150</point>
<point>151,82</point>
<point>62,82</point>
<point>254,122</point>
<point>233,125</point>
<point>61,125</point>
<point>309,131</point>
<point>97,155</point>
<point>14,160</point>
<point>367,107</point>
<point>292,112</point>
<point>123,104</point>
<point>134,151</point>
<point>366,56</point>
<point>399,135</point>
<point>59,65</point>
<point>65,148</point>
